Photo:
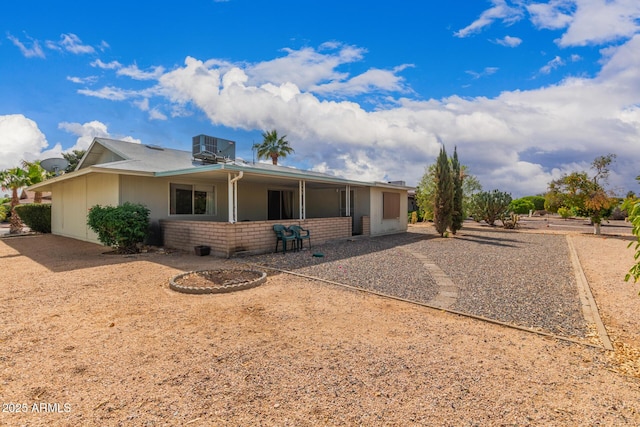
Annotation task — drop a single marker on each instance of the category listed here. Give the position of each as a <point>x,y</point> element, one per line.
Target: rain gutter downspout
<point>233,196</point>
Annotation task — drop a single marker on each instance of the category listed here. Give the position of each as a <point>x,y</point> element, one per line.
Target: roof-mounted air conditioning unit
<point>212,150</point>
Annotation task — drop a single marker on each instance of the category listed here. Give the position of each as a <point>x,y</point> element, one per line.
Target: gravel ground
<point>377,264</point>
<point>523,279</point>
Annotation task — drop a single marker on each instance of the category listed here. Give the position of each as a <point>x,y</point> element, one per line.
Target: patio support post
<point>302,200</point>
<point>347,200</point>
<point>232,191</point>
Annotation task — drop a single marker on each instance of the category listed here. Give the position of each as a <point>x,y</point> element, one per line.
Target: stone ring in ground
<point>216,281</point>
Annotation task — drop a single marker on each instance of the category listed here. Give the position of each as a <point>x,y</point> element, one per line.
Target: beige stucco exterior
<point>115,172</point>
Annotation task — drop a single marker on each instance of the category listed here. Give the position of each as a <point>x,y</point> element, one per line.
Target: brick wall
<point>228,239</point>
<point>366,225</point>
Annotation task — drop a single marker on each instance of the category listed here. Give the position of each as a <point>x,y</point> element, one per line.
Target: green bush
<point>36,216</point>
<point>564,212</point>
<point>521,206</point>
<point>3,213</point>
<point>121,227</point>
<point>538,202</point>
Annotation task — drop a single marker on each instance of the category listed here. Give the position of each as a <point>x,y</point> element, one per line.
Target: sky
<point>524,90</point>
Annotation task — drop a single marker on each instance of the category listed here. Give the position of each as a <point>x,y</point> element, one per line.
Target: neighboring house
<point>200,198</point>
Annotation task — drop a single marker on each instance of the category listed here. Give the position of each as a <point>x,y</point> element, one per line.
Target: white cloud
<point>509,41</point>
<point>587,22</point>
<point>71,43</point>
<point>83,80</point>
<point>486,72</point>
<point>500,11</point>
<point>156,114</point>
<point>552,65</point>
<point>135,73</point>
<point>21,139</point>
<point>113,65</point>
<point>86,132</point>
<point>369,81</point>
<point>601,21</point>
<point>317,71</point>
<point>519,140</point>
<point>35,51</point>
<point>554,15</point>
<point>110,92</point>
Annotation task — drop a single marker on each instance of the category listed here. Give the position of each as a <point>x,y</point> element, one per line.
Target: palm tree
<point>14,179</point>
<point>273,146</point>
<point>36,175</point>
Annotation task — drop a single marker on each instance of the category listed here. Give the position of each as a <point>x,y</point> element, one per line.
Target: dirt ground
<point>93,339</point>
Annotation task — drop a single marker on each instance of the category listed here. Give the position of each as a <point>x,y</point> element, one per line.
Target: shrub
<point>121,227</point>
<point>413,217</point>
<point>36,216</point>
<point>538,202</point>
<point>521,206</point>
<point>564,212</point>
<point>511,222</point>
<point>490,206</point>
<point>3,213</point>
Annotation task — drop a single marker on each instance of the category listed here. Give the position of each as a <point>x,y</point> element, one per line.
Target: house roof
<point>123,157</point>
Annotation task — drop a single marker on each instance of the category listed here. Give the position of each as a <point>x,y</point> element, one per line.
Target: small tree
<point>73,158</point>
<point>585,196</point>
<point>443,200</point>
<point>538,202</point>
<point>273,146</point>
<point>121,227</point>
<point>457,216</point>
<point>425,191</point>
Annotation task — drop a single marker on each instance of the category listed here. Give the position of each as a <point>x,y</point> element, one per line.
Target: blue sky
<point>526,90</point>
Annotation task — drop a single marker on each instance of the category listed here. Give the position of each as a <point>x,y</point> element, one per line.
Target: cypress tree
<point>443,200</point>
<point>457,217</point>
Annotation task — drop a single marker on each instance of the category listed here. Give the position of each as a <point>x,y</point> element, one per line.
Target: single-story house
<point>204,198</point>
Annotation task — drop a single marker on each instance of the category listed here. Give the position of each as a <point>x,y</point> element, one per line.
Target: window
<point>188,199</point>
<point>280,204</point>
<point>390,205</point>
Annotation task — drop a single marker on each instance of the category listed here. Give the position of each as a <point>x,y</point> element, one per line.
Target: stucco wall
<point>228,239</point>
<point>72,199</point>
<point>387,226</point>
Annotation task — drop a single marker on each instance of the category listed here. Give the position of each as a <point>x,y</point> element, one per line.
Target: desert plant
<point>511,221</point>
<point>490,206</point>
<point>36,216</point>
<point>413,217</point>
<point>121,227</point>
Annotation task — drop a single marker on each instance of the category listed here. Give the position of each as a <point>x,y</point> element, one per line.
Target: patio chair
<point>284,235</point>
<point>301,234</point>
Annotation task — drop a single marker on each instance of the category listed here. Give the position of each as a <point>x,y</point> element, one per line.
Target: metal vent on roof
<point>211,149</point>
<point>154,147</point>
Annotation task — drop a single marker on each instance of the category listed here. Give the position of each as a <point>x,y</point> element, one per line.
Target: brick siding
<point>227,240</point>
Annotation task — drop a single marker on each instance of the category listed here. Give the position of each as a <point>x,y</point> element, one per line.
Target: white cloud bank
<point>21,139</point>
<point>517,141</point>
